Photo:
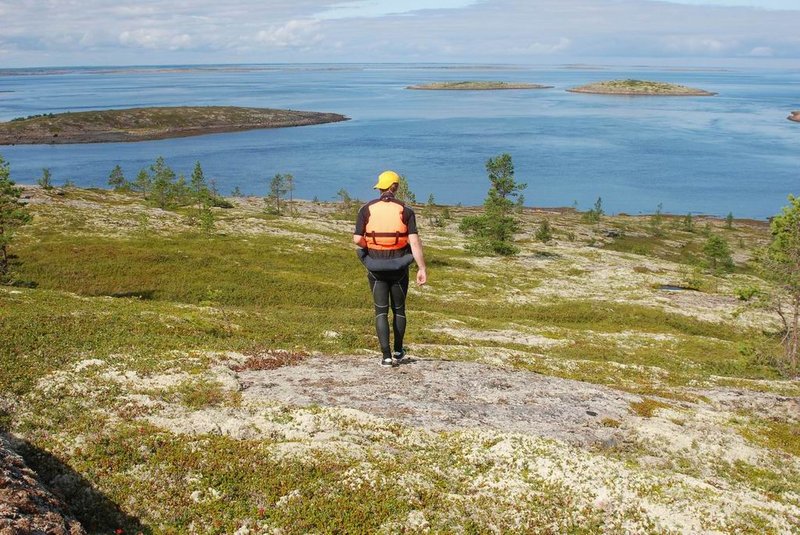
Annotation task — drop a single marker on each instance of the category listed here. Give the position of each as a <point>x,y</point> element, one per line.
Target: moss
<point>777,435</point>
<point>647,407</point>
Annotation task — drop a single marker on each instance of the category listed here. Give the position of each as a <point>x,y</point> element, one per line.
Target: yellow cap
<point>386,179</point>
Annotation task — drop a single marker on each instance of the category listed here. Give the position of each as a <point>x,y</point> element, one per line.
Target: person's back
<point>388,241</point>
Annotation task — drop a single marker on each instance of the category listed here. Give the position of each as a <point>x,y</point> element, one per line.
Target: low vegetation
<point>140,124</point>
<point>639,87</point>
<point>128,335</point>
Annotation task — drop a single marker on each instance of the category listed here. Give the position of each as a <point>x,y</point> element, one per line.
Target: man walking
<point>388,241</point>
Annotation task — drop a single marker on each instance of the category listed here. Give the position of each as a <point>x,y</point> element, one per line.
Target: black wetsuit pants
<point>389,288</point>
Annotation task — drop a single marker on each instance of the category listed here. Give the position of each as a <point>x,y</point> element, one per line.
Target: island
<point>794,116</point>
<point>145,124</point>
<point>476,86</point>
<point>640,87</point>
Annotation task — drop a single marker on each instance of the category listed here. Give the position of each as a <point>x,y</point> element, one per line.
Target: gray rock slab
<point>442,395</point>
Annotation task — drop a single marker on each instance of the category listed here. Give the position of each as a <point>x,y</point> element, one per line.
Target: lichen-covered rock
<point>26,506</point>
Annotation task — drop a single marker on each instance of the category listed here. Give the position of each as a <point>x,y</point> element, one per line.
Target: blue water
<point>734,152</point>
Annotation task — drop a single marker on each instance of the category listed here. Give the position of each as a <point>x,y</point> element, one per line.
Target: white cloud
<point>294,34</point>
<point>762,52</point>
<point>550,48</point>
<point>155,39</point>
<point>378,8</point>
<point>696,45</point>
<point>70,32</point>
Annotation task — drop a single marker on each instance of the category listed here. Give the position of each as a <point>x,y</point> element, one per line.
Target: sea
<point>735,152</point>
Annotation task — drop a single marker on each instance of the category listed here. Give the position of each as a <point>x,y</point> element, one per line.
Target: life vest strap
<point>396,235</point>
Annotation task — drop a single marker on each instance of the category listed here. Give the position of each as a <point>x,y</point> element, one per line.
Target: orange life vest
<point>385,228</point>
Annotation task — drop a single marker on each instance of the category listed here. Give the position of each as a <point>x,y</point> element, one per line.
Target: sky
<point>36,33</point>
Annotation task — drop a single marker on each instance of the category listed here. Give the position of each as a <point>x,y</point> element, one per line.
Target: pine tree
<point>277,189</point>
<point>656,221</point>
<point>197,184</point>
<point>780,262</point>
<point>404,192</point>
<point>12,215</point>
<point>163,187</point>
<point>46,180</point>
<point>493,231</point>
<point>143,183</point>
<point>116,179</point>
<point>718,253</point>
<point>545,232</point>
<point>688,223</point>
<point>289,180</point>
<point>593,215</point>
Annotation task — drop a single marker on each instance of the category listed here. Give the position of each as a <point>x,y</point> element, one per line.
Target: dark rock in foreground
<point>25,505</point>
<point>143,124</point>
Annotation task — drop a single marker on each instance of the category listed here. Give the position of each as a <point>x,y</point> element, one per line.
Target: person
<point>388,241</point>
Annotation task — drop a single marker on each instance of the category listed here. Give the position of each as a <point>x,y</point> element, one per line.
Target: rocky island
<point>794,116</point>
<point>144,124</point>
<point>476,86</point>
<point>640,87</point>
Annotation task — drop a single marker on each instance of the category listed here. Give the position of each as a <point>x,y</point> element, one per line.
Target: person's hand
<point>422,276</point>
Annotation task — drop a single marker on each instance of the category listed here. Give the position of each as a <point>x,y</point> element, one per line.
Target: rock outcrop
<point>26,506</point>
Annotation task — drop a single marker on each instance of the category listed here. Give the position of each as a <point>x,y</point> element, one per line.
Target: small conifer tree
<point>277,189</point>
<point>657,221</point>
<point>493,231</point>
<point>688,223</point>
<point>780,262</point>
<point>718,254</point>
<point>143,183</point>
<point>545,232</point>
<point>594,214</point>
<point>729,221</point>
<point>404,192</point>
<point>116,179</point>
<point>12,215</point>
<point>163,191</point>
<point>46,180</point>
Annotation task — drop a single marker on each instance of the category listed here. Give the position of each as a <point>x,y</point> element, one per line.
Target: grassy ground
<point>110,288</point>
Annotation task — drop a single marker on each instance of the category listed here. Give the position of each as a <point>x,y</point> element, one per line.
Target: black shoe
<point>398,356</point>
<point>387,361</point>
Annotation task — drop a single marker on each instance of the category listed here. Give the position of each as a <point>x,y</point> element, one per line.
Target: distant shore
<point>640,87</point>
<point>476,86</point>
<point>146,124</point>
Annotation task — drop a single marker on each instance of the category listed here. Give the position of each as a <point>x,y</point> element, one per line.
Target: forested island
<point>476,86</point>
<point>640,87</point>
<point>144,124</point>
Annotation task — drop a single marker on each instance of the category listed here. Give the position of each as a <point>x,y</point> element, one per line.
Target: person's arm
<point>359,240</point>
<point>419,258</point>
<point>361,226</point>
